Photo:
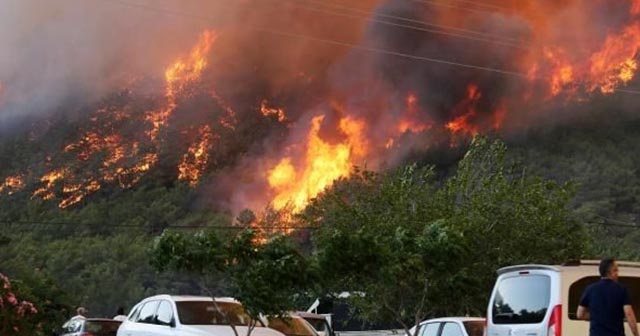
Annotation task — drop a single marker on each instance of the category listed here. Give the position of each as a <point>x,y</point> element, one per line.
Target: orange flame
<point>562,73</point>
<point>463,123</point>
<point>409,121</point>
<point>615,63</point>
<point>323,164</point>
<point>11,184</point>
<point>49,179</point>
<point>272,111</point>
<point>125,163</point>
<point>195,160</point>
<point>181,73</point>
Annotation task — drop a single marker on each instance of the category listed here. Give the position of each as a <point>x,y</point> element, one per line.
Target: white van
<point>542,300</point>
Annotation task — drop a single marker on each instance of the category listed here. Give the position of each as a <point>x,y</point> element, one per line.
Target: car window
<point>451,329</point>
<point>430,329</point>
<point>292,326</point>
<point>165,313</point>
<point>521,299</point>
<point>208,312</point>
<point>632,284</point>
<point>317,324</point>
<point>133,315</point>
<point>148,312</point>
<point>474,328</point>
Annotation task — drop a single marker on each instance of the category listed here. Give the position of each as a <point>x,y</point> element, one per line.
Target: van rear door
<point>522,302</point>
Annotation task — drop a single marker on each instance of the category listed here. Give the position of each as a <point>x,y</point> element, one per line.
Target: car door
<point>165,319</point>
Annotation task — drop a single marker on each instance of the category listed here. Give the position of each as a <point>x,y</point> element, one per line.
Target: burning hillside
<point>273,111</point>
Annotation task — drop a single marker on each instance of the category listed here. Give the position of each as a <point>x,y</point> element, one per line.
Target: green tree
<point>409,246</point>
<point>265,275</point>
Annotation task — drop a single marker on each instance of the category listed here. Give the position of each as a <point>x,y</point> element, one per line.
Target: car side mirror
<point>172,324</point>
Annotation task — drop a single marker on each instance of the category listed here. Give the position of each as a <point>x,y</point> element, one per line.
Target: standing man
<point>606,303</point>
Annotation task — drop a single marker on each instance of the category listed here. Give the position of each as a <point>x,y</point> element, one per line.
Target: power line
<point>369,16</point>
<point>326,41</point>
<point>350,45</point>
<point>464,8</point>
<point>190,226</point>
<point>481,4</point>
<point>421,22</point>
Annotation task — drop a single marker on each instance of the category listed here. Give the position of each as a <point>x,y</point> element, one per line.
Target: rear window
<point>474,328</point>
<point>291,327</point>
<point>577,288</point>
<point>318,324</point>
<point>521,300</point>
<point>102,328</point>
<point>206,312</point>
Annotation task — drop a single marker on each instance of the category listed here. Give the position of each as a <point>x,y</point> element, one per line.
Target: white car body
<point>139,322</point>
<point>320,322</point>
<point>549,297</point>
<point>448,326</point>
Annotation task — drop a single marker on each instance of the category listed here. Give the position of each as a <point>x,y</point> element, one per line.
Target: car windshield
<point>474,328</point>
<point>292,326</point>
<point>102,328</point>
<point>208,313</point>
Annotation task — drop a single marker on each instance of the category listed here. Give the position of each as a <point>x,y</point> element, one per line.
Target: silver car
<point>451,326</point>
<point>90,326</point>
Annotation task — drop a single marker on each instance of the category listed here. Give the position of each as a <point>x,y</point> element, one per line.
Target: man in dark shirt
<point>606,303</point>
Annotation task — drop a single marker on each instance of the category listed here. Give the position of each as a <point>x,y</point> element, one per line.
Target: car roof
<point>455,319</point>
<point>179,298</point>
<point>99,319</point>
<point>310,315</point>
<point>574,265</point>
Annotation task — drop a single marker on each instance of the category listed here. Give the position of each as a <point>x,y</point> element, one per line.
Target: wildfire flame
<point>409,122</point>
<point>615,64</point>
<point>322,164</point>
<point>463,123</point>
<point>178,76</point>
<point>195,160</point>
<point>124,162</point>
<point>272,111</point>
<point>612,65</point>
<point>11,184</point>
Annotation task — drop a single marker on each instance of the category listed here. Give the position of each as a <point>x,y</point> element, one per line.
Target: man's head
<point>81,311</point>
<point>609,269</point>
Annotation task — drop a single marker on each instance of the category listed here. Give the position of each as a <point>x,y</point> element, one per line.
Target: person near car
<point>120,316</point>
<point>606,303</point>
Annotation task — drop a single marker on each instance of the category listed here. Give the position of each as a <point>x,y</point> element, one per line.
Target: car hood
<point>225,330</point>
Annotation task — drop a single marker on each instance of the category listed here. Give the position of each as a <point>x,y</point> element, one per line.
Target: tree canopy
<point>409,245</point>
<point>265,274</point>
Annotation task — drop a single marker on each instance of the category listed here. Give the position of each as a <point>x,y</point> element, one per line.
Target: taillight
<point>484,331</point>
<point>555,322</point>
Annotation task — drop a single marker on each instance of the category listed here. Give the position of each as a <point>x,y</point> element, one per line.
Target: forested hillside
<point>97,252</point>
<point>602,160</point>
